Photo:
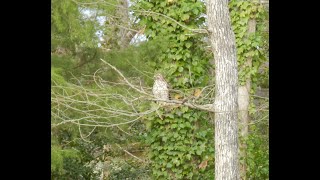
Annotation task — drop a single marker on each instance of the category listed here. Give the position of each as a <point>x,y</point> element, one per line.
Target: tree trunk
<point>123,34</point>
<point>244,101</point>
<point>226,100</point>
<point>118,34</point>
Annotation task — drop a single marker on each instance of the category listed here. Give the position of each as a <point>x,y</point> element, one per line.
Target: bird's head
<point>158,76</point>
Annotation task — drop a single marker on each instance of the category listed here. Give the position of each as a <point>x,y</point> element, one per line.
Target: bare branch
<point>125,79</point>
<point>130,153</point>
<point>108,107</point>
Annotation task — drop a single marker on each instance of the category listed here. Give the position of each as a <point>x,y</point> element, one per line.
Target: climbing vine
<point>184,62</point>
<point>181,144</point>
<point>253,45</point>
<point>248,45</point>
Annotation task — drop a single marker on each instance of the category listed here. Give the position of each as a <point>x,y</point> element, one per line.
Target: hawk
<point>160,88</point>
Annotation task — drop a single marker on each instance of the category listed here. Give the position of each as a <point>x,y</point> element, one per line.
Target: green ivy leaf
<point>187,55</point>
<point>177,57</point>
<point>199,69</point>
<point>175,135</point>
<point>195,11</point>
<point>185,17</point>
<point>170,115</point>
<point>164,139</point>
<point>188,44</point>
<point>198,152</point>
<point>186,115</point>
<point>163,4</point>
<point>188,156</point>
<point>183,37</point>
<point>174,126</point>
<point>176,162</point>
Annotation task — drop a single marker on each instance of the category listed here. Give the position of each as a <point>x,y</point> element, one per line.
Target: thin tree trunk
<point>226,100</point>
<point>123,34</point>
<point>244,101</point>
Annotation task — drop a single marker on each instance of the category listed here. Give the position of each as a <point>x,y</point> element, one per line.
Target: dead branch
<point>115,104</point>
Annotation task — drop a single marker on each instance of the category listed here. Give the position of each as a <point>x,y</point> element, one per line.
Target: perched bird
<point>160,88</point>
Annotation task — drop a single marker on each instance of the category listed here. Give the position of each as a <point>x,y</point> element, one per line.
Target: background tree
<point>226,100</point>
<point>249,24</point>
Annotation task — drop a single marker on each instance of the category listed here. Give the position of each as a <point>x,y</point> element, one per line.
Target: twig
<point>130,153</point>
<point>125,79</point>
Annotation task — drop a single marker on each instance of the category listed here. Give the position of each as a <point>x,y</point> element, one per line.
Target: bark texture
<point>226,100</point>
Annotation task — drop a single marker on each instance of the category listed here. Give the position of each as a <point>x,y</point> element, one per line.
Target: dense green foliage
<point>257,154</point>
<point>253,45</point>
<point>180,141</point>
<point>183,62</point>
<point>69,27</point>
<point>69,162</point>
<point>180,138</point>
<point>252,54</point>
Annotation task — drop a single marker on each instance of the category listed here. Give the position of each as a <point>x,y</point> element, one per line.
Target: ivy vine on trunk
<point>180,138</point>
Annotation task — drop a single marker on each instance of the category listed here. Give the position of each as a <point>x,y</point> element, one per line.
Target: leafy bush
<point>67,164</point>
<point>120,169</point>
<point>257,155</point>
